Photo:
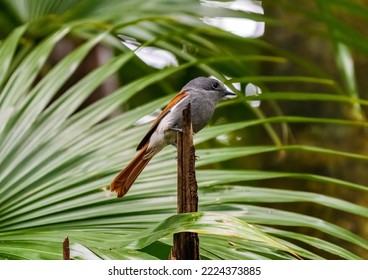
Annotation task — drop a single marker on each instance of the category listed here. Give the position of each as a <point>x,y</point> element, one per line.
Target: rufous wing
<point>125,179</point>
<point>180,96</point>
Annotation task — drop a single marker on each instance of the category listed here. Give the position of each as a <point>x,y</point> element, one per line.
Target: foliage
<point>57,155</point>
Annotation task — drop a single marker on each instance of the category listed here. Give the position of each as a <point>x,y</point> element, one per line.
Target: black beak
<point>229,95</point>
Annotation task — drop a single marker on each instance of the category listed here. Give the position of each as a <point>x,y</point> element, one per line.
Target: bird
<point>203,94</point>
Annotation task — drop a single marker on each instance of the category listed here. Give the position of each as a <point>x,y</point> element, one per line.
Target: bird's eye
<point>215,85</point>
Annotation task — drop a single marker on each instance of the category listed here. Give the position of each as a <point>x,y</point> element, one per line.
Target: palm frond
<point>57,155</point>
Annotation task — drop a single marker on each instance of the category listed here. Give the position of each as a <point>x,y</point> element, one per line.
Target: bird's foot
<point>176,129</point>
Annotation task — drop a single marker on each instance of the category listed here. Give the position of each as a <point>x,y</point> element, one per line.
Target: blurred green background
<point>278,179</point>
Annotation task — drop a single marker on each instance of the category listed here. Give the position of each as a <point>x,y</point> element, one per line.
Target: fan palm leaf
<point>57,156</point>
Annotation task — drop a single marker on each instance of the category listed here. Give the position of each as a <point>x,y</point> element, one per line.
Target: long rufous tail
<point>125,179</point>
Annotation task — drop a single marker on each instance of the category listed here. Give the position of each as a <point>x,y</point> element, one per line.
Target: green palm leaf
<point>58,155</point>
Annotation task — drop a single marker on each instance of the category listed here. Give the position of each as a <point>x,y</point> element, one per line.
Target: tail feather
<point>125,179</point>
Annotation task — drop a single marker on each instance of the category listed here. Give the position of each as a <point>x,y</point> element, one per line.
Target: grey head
<point>209,86</point>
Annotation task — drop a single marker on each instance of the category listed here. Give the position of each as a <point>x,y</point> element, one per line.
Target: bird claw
<point>177,129</point>
<point>180,130</point>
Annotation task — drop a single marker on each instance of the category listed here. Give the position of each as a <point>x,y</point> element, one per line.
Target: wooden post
<point>186,244</point>
<point>66,249</point>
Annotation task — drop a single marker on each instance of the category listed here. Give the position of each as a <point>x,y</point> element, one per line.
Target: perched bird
<point>203,94</point>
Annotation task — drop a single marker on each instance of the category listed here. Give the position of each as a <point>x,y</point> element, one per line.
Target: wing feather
<point>167,109</point>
